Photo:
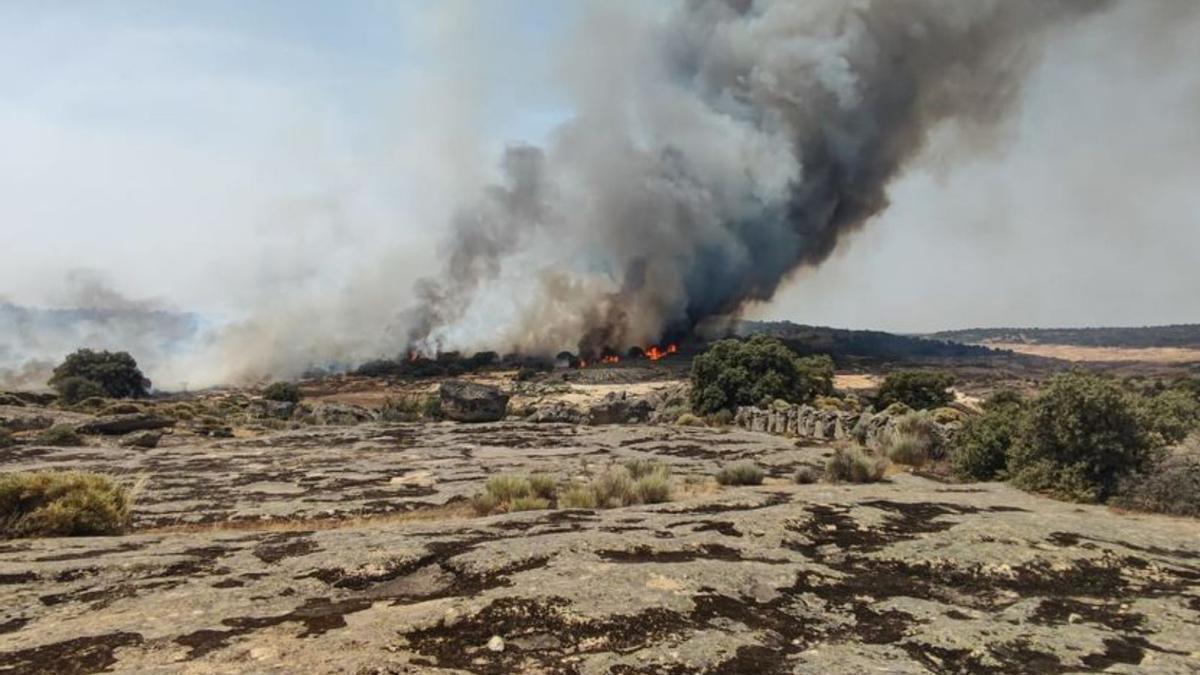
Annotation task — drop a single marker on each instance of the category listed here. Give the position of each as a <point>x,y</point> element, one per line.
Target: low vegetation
<point>741,473</point>
<point>1080,438</point>
<point>60,504</point>
<point>915,440</point>
<point>1170,485</point>
<point>757,371</point>
<point>114,374</point>
<point>917,389</point>
<point>855,465</point>
<point>635,482</point>
<point>7,439</point>
<point>60,435</point>
<point>285,392</point>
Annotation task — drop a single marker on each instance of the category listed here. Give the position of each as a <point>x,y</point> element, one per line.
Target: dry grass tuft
<point>62,504</point>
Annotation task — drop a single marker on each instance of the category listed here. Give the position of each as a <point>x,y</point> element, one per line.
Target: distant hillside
<point>1181,335</point>
<point>840,342</point>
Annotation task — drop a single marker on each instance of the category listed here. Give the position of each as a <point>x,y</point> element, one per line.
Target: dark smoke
<point>728,146</point>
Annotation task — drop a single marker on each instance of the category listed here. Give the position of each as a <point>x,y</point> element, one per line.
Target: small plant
<point>577,497</point>
<point>432,408</point>
<point>741,473</point>
<point>614,488</point>
<point>7,440</point>
<point>854,466</point>
<point>55,504</point>
<point>285,392</point>
<point>721,418</point>
<point>689,420</point>
<point>907,449</point>
<point>60,435</point>
<point>506,487</point>
<point>484,503</point>
<point>643,467</point>
<point>806,475</point>
<point>543,486</point>
<point>528,504</point>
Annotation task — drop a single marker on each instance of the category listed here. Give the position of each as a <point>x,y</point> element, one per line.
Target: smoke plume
<point>718,151</point>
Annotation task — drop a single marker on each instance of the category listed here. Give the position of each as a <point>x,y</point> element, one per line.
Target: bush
<point>689,420</point>
<point>980,448</point>
<point>914,440</point>
<point>1171,485</point>
<point>854,466</point>
<point>741,473</point>
<point>653,488</point>
<point>757,371</point>
<point>73,390</point>
<point>60,435</point>
<point>614,488</point>
<point>1082,435</point>
<point>6,438</point>
<point>1172,414</point>
<point>806,475</point>
<point>543,486</point>
<point>282,391</point>
<point>721,418</point>
<point>528,504</point>
<point>506,488</point>
<point>577,497</point>
<point>55,504</point>
<point>643,467</point>
<point>115,372</point>
<point>919,389</point>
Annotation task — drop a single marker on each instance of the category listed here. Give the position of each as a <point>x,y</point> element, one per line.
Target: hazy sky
<point>226,156</point>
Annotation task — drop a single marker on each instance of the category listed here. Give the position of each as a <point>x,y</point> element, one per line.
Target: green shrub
<point>1172,414</point>
<point>432,408</point>
<point>980,448</point>
<point>757,371</point>
<point>7,440</point>
<point>55,504</point>
<point>116,373</point>
<point>528,504</point>
<point>577,497</point>
<point>402,408</point>
<point>919,389</point>
<point>1083,434</point>
<point>614,488</point>
<point>60,435</point>
<point>74,390</point>
<point>653,488</point>
<point>741,473</point>
<point>643,467</point>
<point>485,503</point>
<point>907,449</point>
<point>543,486</point>
<point>672,412</point>
<point>721,418</point>
<point>854,466</point>
<point>689,420</point>
<point>806,475</point>
<point>507,487</point>
<point>286,392</point>
<point>1171,485</point>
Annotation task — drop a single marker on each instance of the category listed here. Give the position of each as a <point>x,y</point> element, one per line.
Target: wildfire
<point>654,353</point>
<point>611,358</point>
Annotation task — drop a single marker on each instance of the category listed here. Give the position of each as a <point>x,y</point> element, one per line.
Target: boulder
<point>142,439</point>
<point>123,424</point>
<point>338,414</point>
<point>464,401</point>
<point>27,422</point>
<point>620,408</point>
<point>558,412</point>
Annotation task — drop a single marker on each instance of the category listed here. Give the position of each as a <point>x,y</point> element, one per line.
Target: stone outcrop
<point>464,401</point>
<point>805,421</point>
<point>123,424</point>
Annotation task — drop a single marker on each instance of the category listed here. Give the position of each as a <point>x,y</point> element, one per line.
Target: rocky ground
<point>351,549</point>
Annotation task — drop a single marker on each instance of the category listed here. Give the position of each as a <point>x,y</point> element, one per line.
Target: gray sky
<point>253,160</point>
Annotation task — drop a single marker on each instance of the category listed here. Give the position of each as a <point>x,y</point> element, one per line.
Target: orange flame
<point>654,353</point>
<point>612,358</point>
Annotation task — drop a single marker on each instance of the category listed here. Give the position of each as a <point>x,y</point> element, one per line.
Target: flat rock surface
<point>348,549</point>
